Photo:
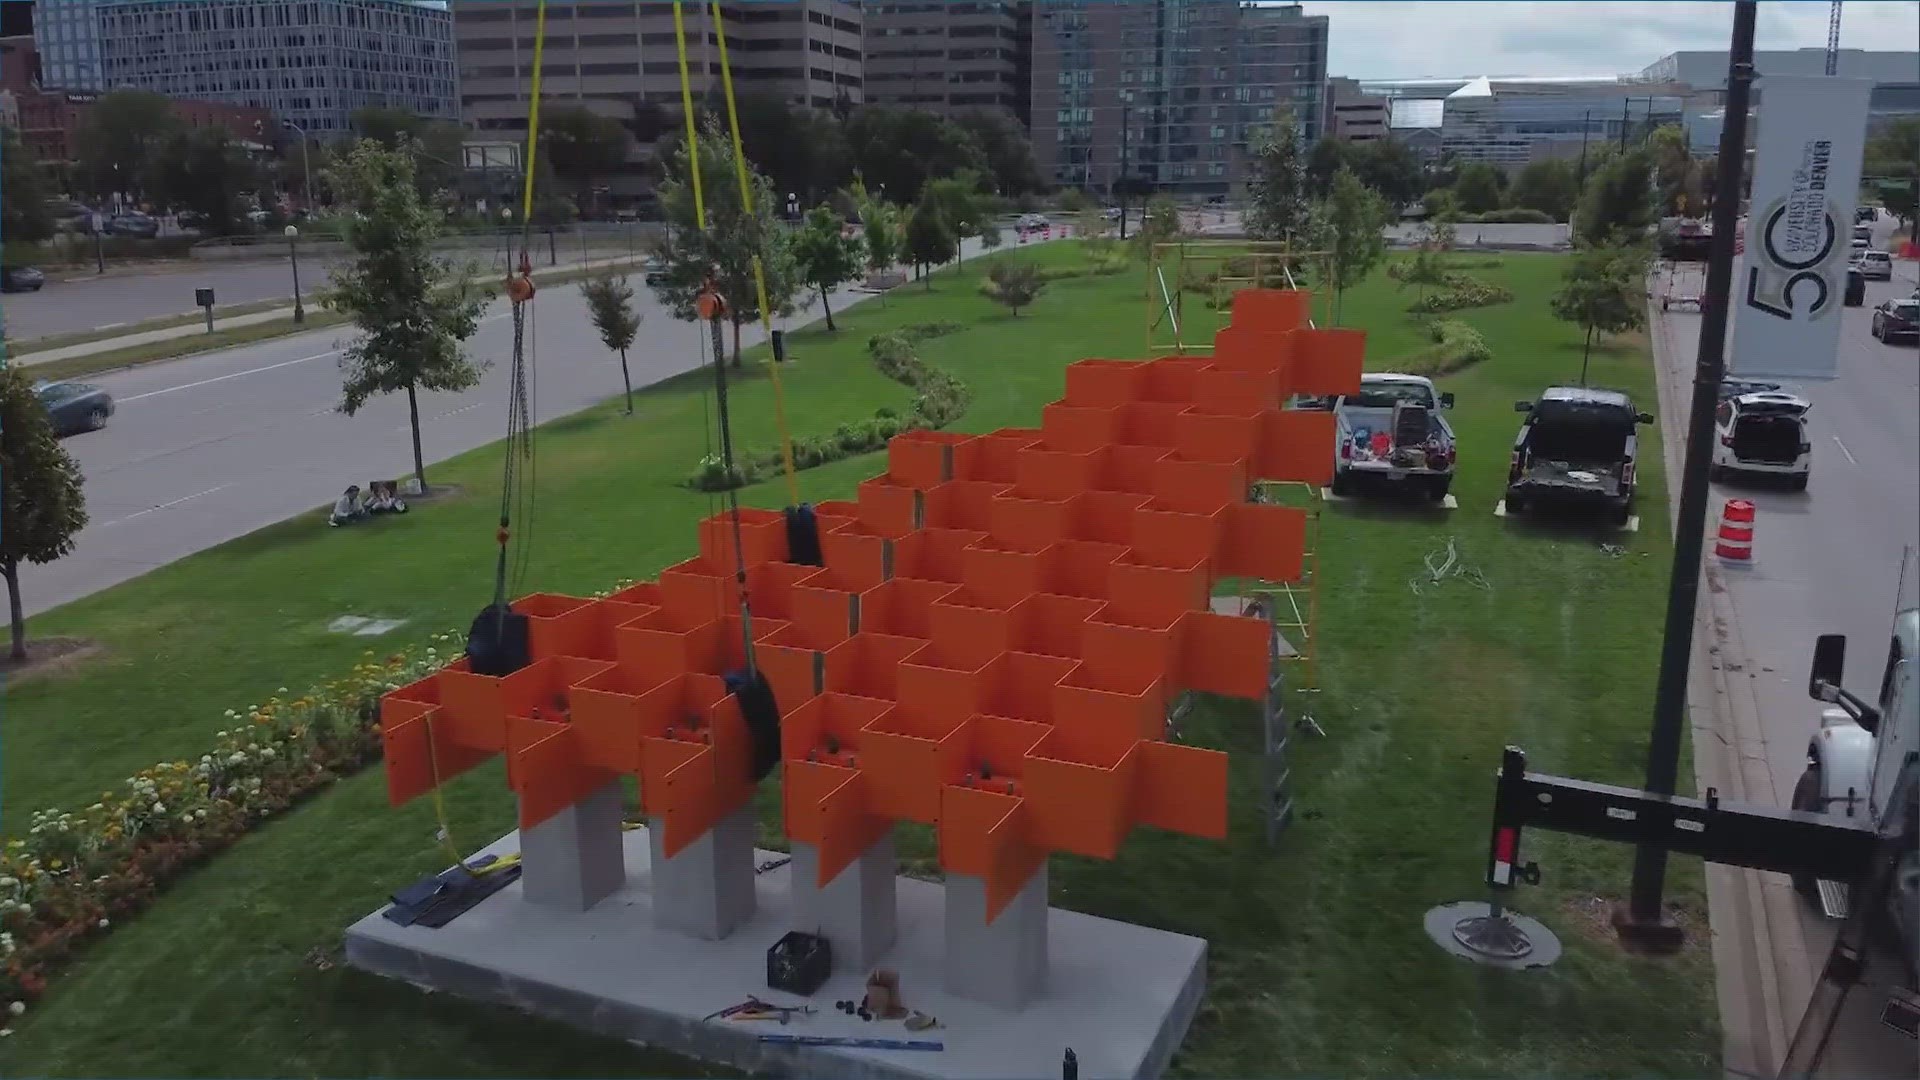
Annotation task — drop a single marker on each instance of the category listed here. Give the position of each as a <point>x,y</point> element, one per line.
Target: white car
<point>1763,432</point>
<point>1875,265</point>
<point>1033,221</point>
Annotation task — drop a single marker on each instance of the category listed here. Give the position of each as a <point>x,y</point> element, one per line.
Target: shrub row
<point>1460,292</point>
<point>75,872</point>
<point>1455,346</point>
<point>1512,215</point>
<point>939,400</point>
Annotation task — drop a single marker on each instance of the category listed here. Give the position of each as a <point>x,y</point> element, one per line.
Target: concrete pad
<point>1120,996</point>
<point>376,627</point>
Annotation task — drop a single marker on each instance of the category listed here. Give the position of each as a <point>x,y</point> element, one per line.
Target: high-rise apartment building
<point>1171,92</point>
<point>948,58</point>
<point>616,56</point>
<point>312,62</point>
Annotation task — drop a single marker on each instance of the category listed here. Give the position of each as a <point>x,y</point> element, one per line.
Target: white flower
<point>8,883</point>
<point>267,753</point>
<point>18,1008</point>
<point>4,1032</point>
<point>201,813</point>
<point>104,923</point>
<point>222,733</point>
<point>159,808</point>
<point>186,818</point>
<point>206,759</point>
<point>237,758</point>
<point>231,715</point>
<point>98,806</point>
<point>282,690</point>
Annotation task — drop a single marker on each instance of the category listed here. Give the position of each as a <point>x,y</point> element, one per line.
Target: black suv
<point>1576,448</point>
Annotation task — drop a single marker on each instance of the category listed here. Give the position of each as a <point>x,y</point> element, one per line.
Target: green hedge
<point>1455,346</point>
<point>939,400</point>
<point>1512,215</point>
<point>1460,292</point>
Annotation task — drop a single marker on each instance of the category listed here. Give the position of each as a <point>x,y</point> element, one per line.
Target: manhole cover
<point>1470,930</point>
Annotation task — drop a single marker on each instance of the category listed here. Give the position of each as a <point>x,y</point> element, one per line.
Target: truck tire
<point>1806,796</point>
<point>1342,485</point>
<point>1622,515</point>
<point>1800,481</point>
<point>1437,487</point>
<point>1515,505</point>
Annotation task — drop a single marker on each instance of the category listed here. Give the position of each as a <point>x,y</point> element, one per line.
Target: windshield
<point>1385,395</point>
<point>62,391</point>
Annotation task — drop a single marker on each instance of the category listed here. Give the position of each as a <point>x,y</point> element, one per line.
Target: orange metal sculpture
<point>990,648</point>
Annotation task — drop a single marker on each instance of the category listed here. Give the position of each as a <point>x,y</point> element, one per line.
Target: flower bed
<point>74,872</point>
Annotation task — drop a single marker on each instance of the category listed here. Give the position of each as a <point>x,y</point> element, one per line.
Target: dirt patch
<point>438,493</point>
<point>50,658</point>
<point>1591,918</point>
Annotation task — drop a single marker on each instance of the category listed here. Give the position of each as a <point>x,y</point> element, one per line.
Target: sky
<point>1379,39</point>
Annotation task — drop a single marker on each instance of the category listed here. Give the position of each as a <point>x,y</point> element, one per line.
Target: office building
<point>1510,121</point>
<point>1895,75</point>
<point>1173,93</point>
<point>1354,115</point>
<point>311,62</point>
<point>19,64</point>
<point>948,58</point>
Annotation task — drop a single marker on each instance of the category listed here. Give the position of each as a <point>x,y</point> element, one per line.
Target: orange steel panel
<point>1106,516</point>
<point>856,553</point>
<point>1171,535</point>
<point>1296,445</point>
<point>922,458</point>
<point>901,607</point>
<point>1263,541</point>
<point>1046,625</point>
<point>828,807</point>
<point>991,457</point>
<point>962,504</point>
<point>934,554</point>
<point>970,626</point>
<point>1079,806</point>
<point>1143,590</point>
<point>1104,382</point>
<point>1181,789</point>
<point>867,664</point>
<point>941,683</point>
<point>1200,485</point>
<point>1330,361</point>
<point>1130,469</point>
<point>608,720</point>
<point>1075,427</point>
<point>985,834</point>
<point>698,589</point>
<point>1082,568</point>
<point>556,625</point>
<point>1048,471</point>
<point>1224,654</point>
<point>1271,309</point>
<point>641,594</point>
<point>888,508</point>
<point>909,757</point>
<point>1022,522</point>
<point>829,728</point>
<point>1021,686</point>
<point>1172,378</point>
<point>1123,638</point>
<point>1151,423</point>
<point>762,537</point>
<point>770,587</point>
<point>1271,352</point>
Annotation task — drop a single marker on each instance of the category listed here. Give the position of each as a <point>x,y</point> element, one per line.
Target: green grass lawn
<point>1318,964</point>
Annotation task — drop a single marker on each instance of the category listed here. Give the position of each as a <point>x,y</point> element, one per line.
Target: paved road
<point>209,448</point>
<point>1504,236</point>
<point>1826,560</point>
<point>75,300</point>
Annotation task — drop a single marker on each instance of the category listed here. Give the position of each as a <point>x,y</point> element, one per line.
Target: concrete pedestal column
<point>574,859</point>
<point>855,911</point>
<point>1004,962</point>
<point>707,889</point>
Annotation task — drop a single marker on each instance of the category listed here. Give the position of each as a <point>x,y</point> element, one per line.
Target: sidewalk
<point>144,337</point>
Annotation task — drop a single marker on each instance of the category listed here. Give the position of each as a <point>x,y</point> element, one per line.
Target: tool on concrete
<point>883,995</point>
<point>919,1021</point>
<point>854,1041</point>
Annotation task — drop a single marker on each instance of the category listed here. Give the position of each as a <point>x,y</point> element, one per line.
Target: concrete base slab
<point>1447,502</point>
<point>1120,996</point>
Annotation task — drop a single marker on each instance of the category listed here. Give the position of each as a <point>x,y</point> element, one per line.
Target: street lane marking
<point>224,378</point>
<point>165,505</point>
<point>1844,450</point>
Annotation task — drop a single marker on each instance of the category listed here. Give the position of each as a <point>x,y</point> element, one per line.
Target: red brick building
<point>19,64</point>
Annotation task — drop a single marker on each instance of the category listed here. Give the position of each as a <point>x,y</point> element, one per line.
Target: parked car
<point>1111,213</point>
<point>21,279</point>
<point>1876,266</point>
<point>1864,215</point>
<point>190,219</point>
<point>1898,319</point>
<point>1392,432</point>
<point>1858,248</point>
<point>1033,221</point>
<point>75,407</point>
<point>1763,432</point>
<point>656,271</point>
<point>1863,231</point>
<point>1578,447</point>
<point>1856,294</point>
<point>143,226</point>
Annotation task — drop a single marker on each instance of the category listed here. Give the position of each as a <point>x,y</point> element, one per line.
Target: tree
<point>206,171</point>
<point>1278,187</point>
<point>23,193</point>
<point>1478,189</point>
<point>1003,142</point>
<point>1159,223</point>
<point>1674,170</point>
<point>1351,226</point>
<point>730,241</point>
<point>1428,267</point>
<point>582,145</point>
<point>610,306</point>
<point>1548,186</point>
<point>1388,167</point>
<point>825,255</point>
<point>800,150</point>
<point>1327,158</point>
<point>879,228</point>
<point>898,150</point>
<point>962,205</point>
<point>1895,149</point>
<point>41,505</point>
<point>930,241</point>
<point>1617,205</point>
<point>436,145</point>
<point>120,142</point>
<point>1014,284</point>
<point>413,311</point>
<point>1603,292</point>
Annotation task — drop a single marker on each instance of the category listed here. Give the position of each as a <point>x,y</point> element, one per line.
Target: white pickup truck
<point>1392,432</point>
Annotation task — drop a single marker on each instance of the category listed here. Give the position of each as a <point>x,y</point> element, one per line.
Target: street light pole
<point>293,254</point>
<point>1126,120</point>
<point>1642,923</point>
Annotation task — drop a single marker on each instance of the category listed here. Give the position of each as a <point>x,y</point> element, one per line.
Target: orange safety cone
<point>1735,541</point>
<point>1023,235</point>
<point>1047,233</point>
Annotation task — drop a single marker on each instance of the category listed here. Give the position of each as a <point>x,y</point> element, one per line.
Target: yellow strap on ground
<point>759,274</point>
<point>439,804</point>
<point>533,114</point>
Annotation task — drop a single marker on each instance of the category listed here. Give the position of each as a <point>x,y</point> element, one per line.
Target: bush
<point>1513,215</point>
<point>1455,346</point>
<point>1461,292</point>
<point>939,400</point>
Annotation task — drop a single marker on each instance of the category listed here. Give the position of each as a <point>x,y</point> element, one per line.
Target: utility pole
<point>1625,120</point>
<point>1126,117</point>
<point>1642,923</point>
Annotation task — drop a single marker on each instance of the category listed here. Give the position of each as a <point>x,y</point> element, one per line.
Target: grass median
<point>1318,963</point>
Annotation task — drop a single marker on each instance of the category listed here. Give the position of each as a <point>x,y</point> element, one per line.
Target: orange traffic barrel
<point>1735,540</point>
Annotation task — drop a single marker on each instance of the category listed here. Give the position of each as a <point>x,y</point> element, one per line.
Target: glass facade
<point>1172,93</point>
<point>312,62</point>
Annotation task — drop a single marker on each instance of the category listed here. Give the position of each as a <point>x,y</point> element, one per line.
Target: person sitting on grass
<point>385,498</point>
<point>348,508</point>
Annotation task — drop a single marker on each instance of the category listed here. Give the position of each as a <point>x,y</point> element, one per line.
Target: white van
<point>1763,432</point>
